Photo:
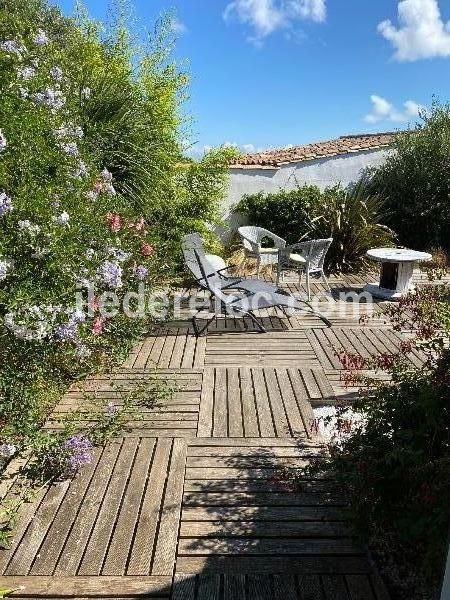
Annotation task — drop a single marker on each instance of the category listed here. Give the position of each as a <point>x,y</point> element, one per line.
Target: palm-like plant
<point>353,218</point>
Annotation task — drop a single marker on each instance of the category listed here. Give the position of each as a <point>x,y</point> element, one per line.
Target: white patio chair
<point>246,305</point>
<point>305,257</point>
<point>193,242</point>
<point>251,240</point>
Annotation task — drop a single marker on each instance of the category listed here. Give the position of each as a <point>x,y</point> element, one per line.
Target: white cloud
<point>422,32</point>
<point>267,16</point>
<point>382,110</point>
<point>178,27</point>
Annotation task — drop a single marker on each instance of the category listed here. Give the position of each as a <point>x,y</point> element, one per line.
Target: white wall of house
<point>345,169</point>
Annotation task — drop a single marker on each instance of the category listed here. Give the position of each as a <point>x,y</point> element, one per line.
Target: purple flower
<point>12,47</point>
<point>41,38</point>
<point>5,204</point>
<point>67,333</point>
<point>111,274</point>
<point>53,99</point>
<point>3,142</point>
<point>7,450</point>
<point>56,74</point>
<point>110,409</point>
<point>70,148</point>
<point>26,73</point>
<point>141,272</point>
<point>79,449</point>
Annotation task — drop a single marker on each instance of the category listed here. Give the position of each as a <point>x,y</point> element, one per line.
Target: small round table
<point>397,265</point>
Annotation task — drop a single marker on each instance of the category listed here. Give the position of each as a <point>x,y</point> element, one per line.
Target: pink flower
<point>147,250</point>
<point>140,225</point>
<point>99,325</point>
<point>115,221</point>
<point>94,304</point>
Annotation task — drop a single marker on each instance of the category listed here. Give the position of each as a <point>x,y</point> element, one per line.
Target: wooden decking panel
<point>284,348</point>
<point>367,342</point>
<point>176,416</point>
<point>265,540</point>
<point>194,487</point>
<point>251,402</point>
<point>119,517</point>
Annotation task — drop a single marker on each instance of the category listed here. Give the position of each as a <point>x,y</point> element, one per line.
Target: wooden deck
<point>187,504</point>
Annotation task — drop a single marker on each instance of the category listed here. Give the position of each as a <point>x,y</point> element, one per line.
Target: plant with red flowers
<point>395,463</point>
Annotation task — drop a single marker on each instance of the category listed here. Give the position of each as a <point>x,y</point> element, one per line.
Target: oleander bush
<point>94,194</point>
<point>415,182</point>
<point>353,217</point>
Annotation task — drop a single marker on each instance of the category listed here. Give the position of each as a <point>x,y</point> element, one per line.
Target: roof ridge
<point>326,149</point>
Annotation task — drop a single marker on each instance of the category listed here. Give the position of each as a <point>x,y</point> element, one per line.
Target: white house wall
<point>323,172</point>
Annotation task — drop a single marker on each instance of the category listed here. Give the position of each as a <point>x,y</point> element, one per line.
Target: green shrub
<point>351,217</point>
<point>415,182</point>
<point>286,213</point>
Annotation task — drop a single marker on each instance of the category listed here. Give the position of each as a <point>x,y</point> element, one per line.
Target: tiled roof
<point>273,159</point>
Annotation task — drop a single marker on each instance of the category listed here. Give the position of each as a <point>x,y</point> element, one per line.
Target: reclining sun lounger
<point>245,305</point>
<point>193,243</point>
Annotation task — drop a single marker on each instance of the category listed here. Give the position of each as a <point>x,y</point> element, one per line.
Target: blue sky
<point>271,73</point>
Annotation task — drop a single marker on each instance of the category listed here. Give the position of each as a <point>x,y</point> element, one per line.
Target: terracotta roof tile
<point>273,159</point>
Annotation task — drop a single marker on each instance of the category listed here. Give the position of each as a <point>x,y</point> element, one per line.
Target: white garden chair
<point>252,238</point>
<point>305,257</point>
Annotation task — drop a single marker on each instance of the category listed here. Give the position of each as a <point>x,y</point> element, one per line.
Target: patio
<point>187,503</point>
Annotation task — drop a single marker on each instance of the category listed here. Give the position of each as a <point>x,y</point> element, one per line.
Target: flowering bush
<point>63,224</point>
<point>92,195</point>
<point>395,461</point>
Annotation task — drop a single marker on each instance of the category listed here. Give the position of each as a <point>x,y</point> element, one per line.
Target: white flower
<point>23,93</point>
<point>83,351</point>
<point>5,265</point>
<point>62,219</point>
<point>106,175</point>
<point>68,131</point>
<point>26,73</point>
<point>91,195</point>
<point>5,204</point>
<point>3,142</point>
<point>77,316</point>
<point>29,227</point>
<point>81,170</point>
<point>56,73</point>
<point>85,93</point>
<point>7,450</point>
<point>35,62</point>
<point>32,323</point>
<point>111,190</point>
<point>41,38</point>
